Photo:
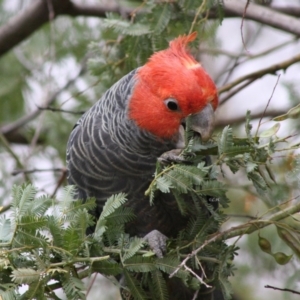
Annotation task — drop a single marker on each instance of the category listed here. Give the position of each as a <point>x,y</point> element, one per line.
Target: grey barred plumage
<point>115,145</point>
<point>108,154</point>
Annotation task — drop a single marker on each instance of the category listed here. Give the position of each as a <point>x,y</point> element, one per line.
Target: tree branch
<point>230,119</point>
<point>282,290</point>
<point>27,21</point>
<point>35,15</point>
<point>18,171</point>
<point>7,129</point>
<point>264,15</point>
<point>246,228</point>
<point>260,73</point>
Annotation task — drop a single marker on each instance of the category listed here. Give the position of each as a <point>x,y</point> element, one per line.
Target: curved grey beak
<point>203,122</point>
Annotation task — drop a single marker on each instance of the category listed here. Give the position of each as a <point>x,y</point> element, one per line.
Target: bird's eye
<point>171,104</point>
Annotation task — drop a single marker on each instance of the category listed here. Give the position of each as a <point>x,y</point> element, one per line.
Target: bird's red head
<point>170,86</point>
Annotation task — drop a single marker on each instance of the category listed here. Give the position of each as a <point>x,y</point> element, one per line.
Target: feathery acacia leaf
<point>22,197</point>
<point>67,198</point>
<point>135,245</point>
<point>140,264</point>
<point>5,229</point>
<point>74,288</point>
<point>134,286</point>
<point>8,292</point>
<point>159,285</point>
<point>112,203</point>
<point>125,27</point>
<point>162,14</point>
<point>163,184</point>
<point>23,275</point>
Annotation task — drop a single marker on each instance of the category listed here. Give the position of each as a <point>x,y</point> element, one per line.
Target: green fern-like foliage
<point>43,241</point>
<point>147,31</point>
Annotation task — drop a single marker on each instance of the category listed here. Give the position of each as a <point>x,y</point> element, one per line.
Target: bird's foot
<point>175,156</point>
<point>157,242</point>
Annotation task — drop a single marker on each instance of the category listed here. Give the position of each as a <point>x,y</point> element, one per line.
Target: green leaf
<point>134,286</point>
<point>163,184</point>
<point>271,131</point>
<point>35,290</point>
<point>22,197</point>
<point>135,245</point>
<point>126,27</point>
<point>140,264</point>
<point>120,216</point>
<point>159,285</point>
<point>293,113</point>
<point>225,287</point>
<point>40,205</point>
<point>258,182</point>
<point>112,203</point>
<point>74,288</point>
<point>225,142</point>
<point>5,229</point>
<point>100,229</point>
<point>195,174</point>
<point>169,264</point>
<point>179,182</point>
<point>56,229</point>
<point>162,14</point>
<point>8,291</point>
<point>26,276</point>
<point>81,221</point>
<point>24,238</point>
<point>31,223</point>
<point>107,267</point>
<point>181,203</point>
<point>71,240</point>
<point>250,166</point>
<point>67,198</point>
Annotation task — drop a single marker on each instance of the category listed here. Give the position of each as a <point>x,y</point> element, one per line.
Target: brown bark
<point>21,26</point>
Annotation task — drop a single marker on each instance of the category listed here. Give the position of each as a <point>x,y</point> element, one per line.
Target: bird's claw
<point>157,242</point>
<point>175,156</point>
<point>171,156</point>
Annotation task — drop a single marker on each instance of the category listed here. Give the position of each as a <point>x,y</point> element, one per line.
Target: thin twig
<point>263,15</point>
<point>237,231</point>
<point>61,110</point>
<point>91,283</point>
<point>7,146</point>
<point>195,295</point>
<point>198,12</point>
<point>242,25</point>
<point>235,91</point>
<point>283,290</point>
<point>260,73</point>
<point>215,51</point>
<point>18,171</point>
<point>31,116</point>
<point>197,276</point>
<point>233,119</point>
<point>268,103</point>
<point>60,182</point>
<point>241,216</point>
